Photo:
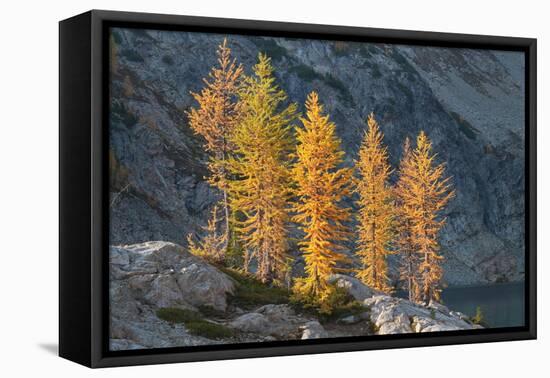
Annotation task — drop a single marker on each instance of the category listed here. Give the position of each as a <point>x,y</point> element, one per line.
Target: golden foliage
<point>321,186</point>
<point>408,270</point>
<point>376,210</point>
<point>215,119</point>
<point>423,192</point>
<point>217,113</point>
<point>212,246</point>
<point>260,187</point>
<point>247,132</point>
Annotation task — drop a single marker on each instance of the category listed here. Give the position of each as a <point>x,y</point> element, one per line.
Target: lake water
<point>502,305</point>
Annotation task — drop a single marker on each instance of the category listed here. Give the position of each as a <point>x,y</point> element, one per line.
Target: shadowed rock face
<point>469,102</point>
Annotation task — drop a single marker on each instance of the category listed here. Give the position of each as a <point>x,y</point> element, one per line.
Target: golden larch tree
<point>260,187</point>
<point>376,210</point>
<point>409,261</point>
<point>215,118</point>
<point>321,184</point>
<point>424,191</point>
<point>212,246</point>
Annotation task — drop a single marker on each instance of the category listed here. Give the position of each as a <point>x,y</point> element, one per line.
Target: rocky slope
<point>147,277</point>
<point>470,102</point>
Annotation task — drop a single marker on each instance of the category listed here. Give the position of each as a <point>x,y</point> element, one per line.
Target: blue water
<point>502,304</point>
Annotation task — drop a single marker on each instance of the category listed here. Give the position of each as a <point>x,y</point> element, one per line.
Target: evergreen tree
<point>215,119</point>
<point>376,210</point>
<point>321,186</point>
<point>260,187</point>
<point>212,245</point>
<point>424,192</point>
<point>408,270</point>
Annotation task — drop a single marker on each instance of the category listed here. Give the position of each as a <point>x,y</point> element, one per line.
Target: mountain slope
<point>470,103</point>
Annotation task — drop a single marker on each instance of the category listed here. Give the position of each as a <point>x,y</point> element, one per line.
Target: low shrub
<point>250,292</point>
<point>209,330</point>
<point>194,323</point>
<point>211,312</point>
<point>339,304</point>
<point>178,315</point>
<point>478,317</point>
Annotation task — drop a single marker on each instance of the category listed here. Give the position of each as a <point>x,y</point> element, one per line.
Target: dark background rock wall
<point>470,103</point>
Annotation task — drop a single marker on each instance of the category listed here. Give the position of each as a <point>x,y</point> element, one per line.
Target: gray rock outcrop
<point>149,276</point>
<point>313,330</point>
<point>164,274</point>
<point>353,286</point>
<point>273,320</point>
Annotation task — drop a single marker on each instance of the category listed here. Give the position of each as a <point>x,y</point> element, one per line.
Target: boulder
<point>148,331</point>
<point>251,322</point>
<point>163,291</point>
<point>353,286</point>
<point>397,325</point>
<point>438,306</point>
<point>152,275</point>
<point>275,320</point>
<point>313,330</point>
<point>203,285</point>
<point>123,344</point>
<point>163,274</point>
<point>396,315</point>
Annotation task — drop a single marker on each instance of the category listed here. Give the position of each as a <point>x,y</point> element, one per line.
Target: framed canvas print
<point>234,188</point>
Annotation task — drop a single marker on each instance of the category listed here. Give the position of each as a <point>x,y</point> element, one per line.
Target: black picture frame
<point>83,194</point>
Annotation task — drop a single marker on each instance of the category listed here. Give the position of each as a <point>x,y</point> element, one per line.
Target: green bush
<point>250,292</point>
<point>211,312</point>
<point>209,330</point>
<point>338,305</point>
<point>234,257</point>
<point>178,315</point>
<point>194,322</point>
<point>478,317</point>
